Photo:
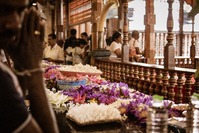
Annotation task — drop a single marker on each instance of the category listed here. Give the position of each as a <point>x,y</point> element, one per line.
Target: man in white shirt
<point>133,43</point>
<point>53,52</point>
<point>134,49</point>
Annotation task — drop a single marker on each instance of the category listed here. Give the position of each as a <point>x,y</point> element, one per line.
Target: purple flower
<point>51,67</point>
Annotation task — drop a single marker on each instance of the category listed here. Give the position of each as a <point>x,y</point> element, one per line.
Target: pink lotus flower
<point>79,99</point>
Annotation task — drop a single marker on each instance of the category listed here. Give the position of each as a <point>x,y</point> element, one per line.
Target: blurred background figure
<point>69,46</point>
<point>134,41</point>
<point>79,52</point>
<point>134,48</point>
<point>53,52</point>
<point>116,46</point>
<point>87,48</point>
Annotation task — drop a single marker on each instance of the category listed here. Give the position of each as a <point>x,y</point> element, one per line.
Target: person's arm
<point>27,55</point>
<point>118,52</point>
<point>39,104</point>
<point>117,49</point>
<point>60,56</point>
<point>53,60</point>
<point>136,45</point>
<point>20,119</point>
<point>31,127</point>
<point>138,51</point>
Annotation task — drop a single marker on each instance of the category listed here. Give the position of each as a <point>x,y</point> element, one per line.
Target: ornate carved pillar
<point>149,21</point>
<point>59,19</point>
<point>121,14</point>
<point>192,14</point>
<point>193,47</point>
<point>96,9</point>
<point>125,48</point>
<point>181,22</point>
<point>169,53</point>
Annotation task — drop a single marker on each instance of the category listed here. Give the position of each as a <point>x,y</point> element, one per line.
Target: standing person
<point>84,36</point>
<point>79,52</point>
<point>116,45</point>
<point>86,59</point>
<point>53,52</point>
<point>134,48</point>
<point>69,46</point>
<point>22,35</point>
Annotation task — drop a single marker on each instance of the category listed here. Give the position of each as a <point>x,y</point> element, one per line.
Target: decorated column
<point>192,13</point>
<point>193,47</point>
<point>125,48</point>
<point>96,10</point>
<point>169,53</point>
<point>149,21</point>
<point>181,22</point>
<point>59,19</point>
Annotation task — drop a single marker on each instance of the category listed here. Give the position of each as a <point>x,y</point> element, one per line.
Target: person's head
<point>135,34</point>
<point>52,39</point>
<point>84,36</point>
<point>11,17</point>
<point>82,43</point>
<point>73,32</point>
<point>117,37</point>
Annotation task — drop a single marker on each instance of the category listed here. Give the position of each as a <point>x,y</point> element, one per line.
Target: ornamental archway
<point>102,20</point>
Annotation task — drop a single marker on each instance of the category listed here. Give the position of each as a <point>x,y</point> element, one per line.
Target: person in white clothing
<point>53,52</point>
<point>134,48</point>
<point>79,52</point>
<point>116,46</point>
<point>134,43</point>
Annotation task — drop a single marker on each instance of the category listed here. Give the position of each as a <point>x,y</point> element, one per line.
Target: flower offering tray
<point>108,127</point>
<point>94,122</point>
<point>71,73</point>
